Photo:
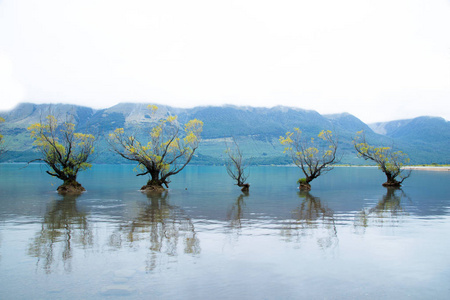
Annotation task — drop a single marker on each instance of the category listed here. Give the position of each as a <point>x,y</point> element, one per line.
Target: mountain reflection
<point>159,224</point>
<point>388,209</point>
<point>63,227</point>
<point>313,219</point>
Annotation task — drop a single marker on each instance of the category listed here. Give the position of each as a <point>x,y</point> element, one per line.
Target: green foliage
<point>389,161</point>
<point>65,151</point>
<point>313,157</point>
<point>301,181</point>
<point>256,129</point>
<point>169,148</point>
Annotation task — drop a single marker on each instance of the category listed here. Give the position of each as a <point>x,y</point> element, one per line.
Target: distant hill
<point>256,129</point>
<point>348,122</point>
<point>386,128</point>
<point>429,129</point>
<point>429,135</point>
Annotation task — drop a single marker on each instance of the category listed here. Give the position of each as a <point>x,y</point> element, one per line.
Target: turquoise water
<point>349,238</point>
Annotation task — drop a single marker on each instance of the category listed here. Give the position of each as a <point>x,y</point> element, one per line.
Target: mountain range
<point>257,130</point>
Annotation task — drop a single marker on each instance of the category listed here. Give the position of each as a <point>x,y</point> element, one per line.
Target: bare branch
<point>235,165</point>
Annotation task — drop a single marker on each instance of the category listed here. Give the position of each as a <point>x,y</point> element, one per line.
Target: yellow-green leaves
<point>171,119</point>
<point>194,126</point>
<point>153,108</point>
<point>312,156</point>
<point>286,140</point>
<point>310,152</point>
<point>65,151</point>
<point>82,139</point>
<point>119,131</point>
<point>378,154</point>
<point>156,132</point>
<point>193,129</point>
<point>168,144</point>
<point>325,135</point>
<point>387,160</point>
<point>191,138</point>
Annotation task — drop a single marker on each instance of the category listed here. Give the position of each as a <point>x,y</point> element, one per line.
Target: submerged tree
<point>63,150</point>
<point>236,166</point>
<point>313,157</point>
<point>169,149</point>
<point>389,161</point>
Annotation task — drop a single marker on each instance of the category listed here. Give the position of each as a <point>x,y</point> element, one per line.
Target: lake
<point>349,238</point>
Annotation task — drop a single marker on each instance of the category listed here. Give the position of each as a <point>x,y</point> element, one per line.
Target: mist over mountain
<point>256,129</point>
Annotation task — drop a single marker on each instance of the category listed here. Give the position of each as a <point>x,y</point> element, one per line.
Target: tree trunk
<point>155,184</point>
<point>70,186</point>
<point>244,187</point>
<point>391,182</point>
<point>304,186</point>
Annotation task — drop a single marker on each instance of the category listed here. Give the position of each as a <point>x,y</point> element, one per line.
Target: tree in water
<point>1,138</point>
<point>313,157</point>
<point>236,166</point>
<point>389,161</point>
<point>169,149</point>
<point>63,150</point>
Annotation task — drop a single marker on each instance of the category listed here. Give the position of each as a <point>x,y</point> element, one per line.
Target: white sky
<point>378,60</point>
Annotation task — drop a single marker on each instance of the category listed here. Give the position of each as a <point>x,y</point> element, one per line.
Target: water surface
<point>349,238</point>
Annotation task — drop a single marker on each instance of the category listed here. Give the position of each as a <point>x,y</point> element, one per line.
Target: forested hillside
<point>257,130</point>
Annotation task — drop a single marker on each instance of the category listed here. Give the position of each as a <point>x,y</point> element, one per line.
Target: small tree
<point>165,154</point>
<point>63,150</point>
<point>1,138</point>
<point>389,161</point>
<point>236,166</point>
<point>313,157</point>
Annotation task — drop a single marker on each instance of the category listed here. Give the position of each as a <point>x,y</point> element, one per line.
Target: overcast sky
<point>378,60</point>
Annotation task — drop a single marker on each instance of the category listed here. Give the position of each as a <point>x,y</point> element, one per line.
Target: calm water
<point>349,238</point>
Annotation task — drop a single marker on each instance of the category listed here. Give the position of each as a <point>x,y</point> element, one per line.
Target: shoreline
<point>423,168</point>
<point>429,168</point>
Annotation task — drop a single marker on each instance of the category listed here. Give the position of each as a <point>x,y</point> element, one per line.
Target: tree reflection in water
<point>160,224</point>
<point>236,211</point>
<point>312,219</point>
<point>388,209</point>
<point>63,227</point>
